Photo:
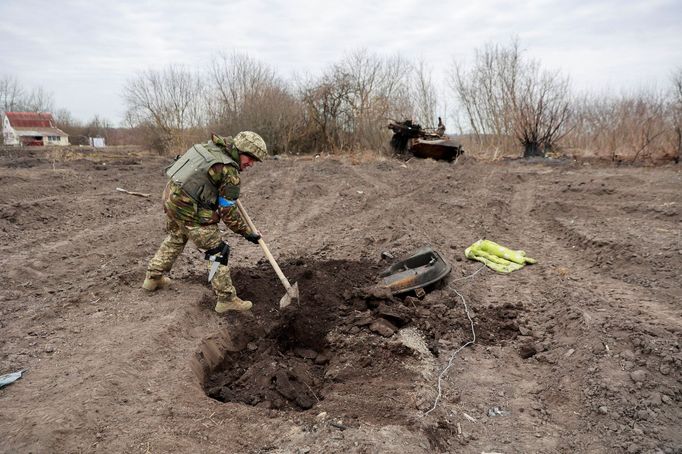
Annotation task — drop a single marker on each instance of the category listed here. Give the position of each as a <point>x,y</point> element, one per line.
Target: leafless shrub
<point>634,126</point>
<point>506,97</point>
<point>246,94</point>
<point>349,105</point>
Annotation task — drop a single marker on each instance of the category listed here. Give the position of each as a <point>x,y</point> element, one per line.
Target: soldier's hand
<point>252,237</point>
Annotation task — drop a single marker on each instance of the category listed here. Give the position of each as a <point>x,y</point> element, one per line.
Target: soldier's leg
<point>208,237</point>
<point>165,257</point>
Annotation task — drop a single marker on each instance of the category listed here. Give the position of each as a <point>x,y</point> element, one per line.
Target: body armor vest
<point>190,172</point>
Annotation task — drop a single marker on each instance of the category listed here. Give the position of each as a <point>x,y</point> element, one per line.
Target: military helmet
<point>252,144</point>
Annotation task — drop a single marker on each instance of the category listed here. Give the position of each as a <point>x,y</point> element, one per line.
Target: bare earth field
<point>578,353</point>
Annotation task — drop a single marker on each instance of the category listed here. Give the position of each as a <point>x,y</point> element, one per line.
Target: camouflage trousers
<point>204,237</point>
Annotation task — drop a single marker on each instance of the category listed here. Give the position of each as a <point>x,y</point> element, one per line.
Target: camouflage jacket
<point>180,206</point>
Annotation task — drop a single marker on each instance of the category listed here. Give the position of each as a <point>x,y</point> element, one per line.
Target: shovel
<point>292,290</point>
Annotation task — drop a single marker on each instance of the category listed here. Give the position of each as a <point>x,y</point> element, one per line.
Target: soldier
<point>202,190</point>
<point>440,131</point>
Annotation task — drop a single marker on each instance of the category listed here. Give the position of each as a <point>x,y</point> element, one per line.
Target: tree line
<point>503,103</point>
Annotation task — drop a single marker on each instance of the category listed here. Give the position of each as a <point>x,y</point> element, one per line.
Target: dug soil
<point>577,353</point>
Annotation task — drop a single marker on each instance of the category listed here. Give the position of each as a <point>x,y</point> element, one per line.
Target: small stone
<point>411,300</point>
<point>664,369</point>
<point>364,321</point>
<point>322,415</point>
<point>49,348</point>
<point>305,353</point>
<point>383,327</point>
<point>569,352</point>
<point>527,351</point>
<point>251,346</point>
<point>633,449</point>
<point>603,410</point>
<point>655,399</point>
<point>321,359</point>
<point>627,354</point>
<point>638,376</point>
<point>666,399</point>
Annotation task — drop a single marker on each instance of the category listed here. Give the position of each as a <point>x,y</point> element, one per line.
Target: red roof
<point>30,119</point>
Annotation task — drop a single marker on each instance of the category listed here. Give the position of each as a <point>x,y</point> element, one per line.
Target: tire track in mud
<point>585,328</point>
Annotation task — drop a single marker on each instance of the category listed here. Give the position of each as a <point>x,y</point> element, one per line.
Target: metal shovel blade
<point>291,296</point>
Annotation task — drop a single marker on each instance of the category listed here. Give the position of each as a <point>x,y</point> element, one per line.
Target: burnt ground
<point>578,353</point>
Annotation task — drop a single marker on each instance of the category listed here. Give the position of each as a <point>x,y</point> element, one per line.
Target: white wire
<point>452,357</point>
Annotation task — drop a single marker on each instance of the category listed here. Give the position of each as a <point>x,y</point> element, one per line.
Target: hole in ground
<point>329,350</point>
<point>277,359</point>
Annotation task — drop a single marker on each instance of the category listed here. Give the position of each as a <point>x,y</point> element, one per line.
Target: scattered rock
<point>322,358</point>
<point>411,301</point>
<point>496,411</point>
<point>391,315</point>
<point>383,327</point>
<point>49,348</point>
<point>251,346</point>
<point>666,399</point>
<point>603,410</point>
<point>364,321</point>
<point>528,350</point>
<point>627,354</point>
<point>638,376</point>
<point>664,369</point>
<point>654,399</point>
<point>634,448</point>
<point>305,353</point>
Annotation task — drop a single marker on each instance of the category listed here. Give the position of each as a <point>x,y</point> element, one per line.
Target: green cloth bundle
<point>497,257</point>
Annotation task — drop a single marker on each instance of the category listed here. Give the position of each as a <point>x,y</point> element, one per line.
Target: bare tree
<point>14,97</point>
<point>424,94</point>
<point>506,96</point>
<point>353,99</point>
<point>39,100</point>
<point>677,112</point>
<point>169,102</point>
<point>247,94</point>
<point>540,109</point>
<point>12,94</point>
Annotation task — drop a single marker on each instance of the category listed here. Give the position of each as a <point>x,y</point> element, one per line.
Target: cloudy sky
<point>83,51</point>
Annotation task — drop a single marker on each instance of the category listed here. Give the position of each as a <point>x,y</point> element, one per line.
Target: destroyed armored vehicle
<point>411,139</point>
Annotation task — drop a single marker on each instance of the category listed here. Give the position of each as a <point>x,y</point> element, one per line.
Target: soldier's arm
<point>228,182</point>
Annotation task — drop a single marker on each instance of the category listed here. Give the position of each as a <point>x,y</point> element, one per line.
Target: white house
<point>32,129</point>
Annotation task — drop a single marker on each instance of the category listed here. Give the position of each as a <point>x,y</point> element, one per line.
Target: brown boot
<point>235,304</point>
<point>152,284</point>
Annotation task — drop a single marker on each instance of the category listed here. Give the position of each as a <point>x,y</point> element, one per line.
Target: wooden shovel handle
<point>263,246</point>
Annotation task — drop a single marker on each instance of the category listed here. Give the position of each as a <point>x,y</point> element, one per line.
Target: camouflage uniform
<point>187,220</point>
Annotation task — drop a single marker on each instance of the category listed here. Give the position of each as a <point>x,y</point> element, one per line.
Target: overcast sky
<point>84,51</point>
